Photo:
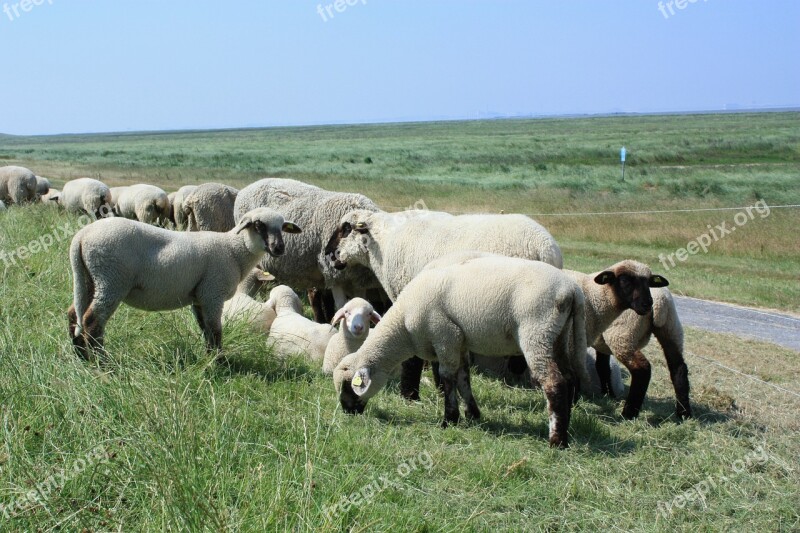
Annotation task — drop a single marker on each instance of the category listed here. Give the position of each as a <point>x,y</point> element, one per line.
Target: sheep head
<point>265,227</point>
<point>630,282</point>
<point>357,314</point>
<point>350,241</point>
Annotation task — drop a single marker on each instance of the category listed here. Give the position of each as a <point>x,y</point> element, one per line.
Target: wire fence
<point>619,213</point>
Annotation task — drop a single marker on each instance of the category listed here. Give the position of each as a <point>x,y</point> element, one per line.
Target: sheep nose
<point>279,248</point>
<point>358,328</point>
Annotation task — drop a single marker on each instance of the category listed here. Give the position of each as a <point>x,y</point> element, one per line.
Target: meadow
<point>162,438</point>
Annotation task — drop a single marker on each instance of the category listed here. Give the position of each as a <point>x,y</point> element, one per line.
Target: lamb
<point>243,308</point>
<point>209,207</point>
<point>42,186</point>
<point>318,212</point>
<point>176,203</point>
<point>397,246</point>
<point>626,337</point>
<point>291,332</point>
<point>117,260</point>
<point>145,203</point>
<point>524,307</point>
<point>86,195</point>
<point>355,317</point>
<point>17,185</point>
<point>606,295</point>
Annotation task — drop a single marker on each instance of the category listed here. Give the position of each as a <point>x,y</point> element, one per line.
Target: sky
<point>73,66</point>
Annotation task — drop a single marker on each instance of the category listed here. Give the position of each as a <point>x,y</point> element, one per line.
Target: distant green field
<point>539,167</point>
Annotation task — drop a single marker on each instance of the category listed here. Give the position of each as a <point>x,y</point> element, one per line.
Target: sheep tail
<point>81,280</point>
<point>579,343</point>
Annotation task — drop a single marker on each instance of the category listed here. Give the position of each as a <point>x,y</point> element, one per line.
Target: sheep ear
<point>605,278</point>
<point>361,227</point>
<point>244,223</point>
<point>291,227</point>
<point>361,382</point>
<point>657,281</point>
<point>375,317</point>
<point>338,316</point>
<point>264,276</point>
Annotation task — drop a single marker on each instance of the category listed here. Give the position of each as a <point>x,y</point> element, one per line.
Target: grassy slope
<point>262,444</point>
<point>529,166</point>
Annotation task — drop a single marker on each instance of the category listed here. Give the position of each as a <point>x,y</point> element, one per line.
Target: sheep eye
<point>346,229</point>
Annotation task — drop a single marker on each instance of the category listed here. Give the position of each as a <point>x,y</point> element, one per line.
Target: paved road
<point>769,326</point>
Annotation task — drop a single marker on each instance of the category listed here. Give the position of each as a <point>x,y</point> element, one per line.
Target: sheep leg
<point>559,404</point>
<point>212,329</point>
<point>602,364</point>
<point>465,390</point>
<point>315,300</point>
<point>437,379</point>
<point>78,341</point>
<point>94,321</point>
<point>639,367</point>
<point>410,376</point>
<point>451,412</point>
<point>678,373</point>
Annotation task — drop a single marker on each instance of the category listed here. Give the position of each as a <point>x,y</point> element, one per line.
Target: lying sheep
<point>397,246</point>
<point>626,285</point>
<point>613,383</point>
<point>86,195</point>
<point>17,185</point>
<point>209,207</point>
<point>42,186</point>
<point>176,205</point>
<point>117,260</point>
<point>355,318</point>
<point>626,337</point>
<point>242,308</point>
<point>523,306</point>
<point>142,202</point>
<point>318,212</point>
<point>291,332</point>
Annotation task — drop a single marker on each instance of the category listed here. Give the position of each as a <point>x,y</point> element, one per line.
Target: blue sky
<point>87,66</point>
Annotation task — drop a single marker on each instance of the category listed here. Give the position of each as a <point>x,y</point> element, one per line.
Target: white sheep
<point>176,205</point>
<point>626,337</point>
<point>623,286</point>
<point>355,318</point>
<point>318,212</point>
<point>17,185</point>
<point>291,332</point>
<point>242,308</point>
<point>50,198</point>
<point>522,306</point>
<point>115,193</point>
<point>142,202</point>
<point>116,260</point>
<point>209,207</point>
<point>86,195</point>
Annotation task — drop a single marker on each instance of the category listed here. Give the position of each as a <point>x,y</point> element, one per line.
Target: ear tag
<point>357,381</point>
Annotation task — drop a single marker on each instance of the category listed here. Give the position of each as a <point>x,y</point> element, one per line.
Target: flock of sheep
<point>484,290</point>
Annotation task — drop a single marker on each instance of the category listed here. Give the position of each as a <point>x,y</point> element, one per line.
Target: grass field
<point>164,439</point>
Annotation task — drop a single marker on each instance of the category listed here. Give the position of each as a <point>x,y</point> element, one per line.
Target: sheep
<point>243,308</point>
<point>50,197</point>
<point>627,285</point>
<point>176,203</point>
<point>318,212</point>
<point>397,246</point>
<point>355,318</point>
<point>626,337</point>
<point>523,306</point>
<point>291,332</point>
<point>117,260</point>
<point>115,193</point>
<point>145,203</point>
<point>209,207</point>
<point>17,185</point>
<point>86,195</point>
<point>42,186</point>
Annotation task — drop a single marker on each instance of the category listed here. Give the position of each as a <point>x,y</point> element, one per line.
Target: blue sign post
<point>622,160</point>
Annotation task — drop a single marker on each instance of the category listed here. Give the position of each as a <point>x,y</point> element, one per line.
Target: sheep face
<point>355,387</point>
<point>350,241</point>
<point>266,227</point>
<point>357,314</point>
<point>630,283</point>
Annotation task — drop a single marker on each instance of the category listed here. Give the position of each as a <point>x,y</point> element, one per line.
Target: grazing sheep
<point>17,185</point>
<point>142,202</point>
<point>318,212</point>
<point>86,195</point>
<point>397,246</point>
<point>242,308</point>
<point>209,207</point>
<point>42,186</point>
<point>116,260</point>
<point>176,203</point>
<point>355,316</point>
<point>291,332</point>
<point>522,306</point>
<point>626,285</point>
<point>626,337</point>
<point>50,197</point>
<point>115,193</point>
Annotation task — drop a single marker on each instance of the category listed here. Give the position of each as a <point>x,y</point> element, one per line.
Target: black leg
<point>603,366</point>
<point>410,376</point>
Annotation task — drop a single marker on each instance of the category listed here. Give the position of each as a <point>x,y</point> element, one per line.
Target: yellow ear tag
<point>360,225</point>
<point>357,380</point>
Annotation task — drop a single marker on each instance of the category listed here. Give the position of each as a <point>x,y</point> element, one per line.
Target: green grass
<point>261,444</point>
